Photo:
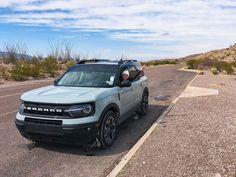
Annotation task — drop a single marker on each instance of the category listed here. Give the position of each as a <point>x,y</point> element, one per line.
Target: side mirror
<point>55,81</point>
<point>125,83</point>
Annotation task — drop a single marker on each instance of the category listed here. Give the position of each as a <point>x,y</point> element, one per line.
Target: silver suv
<point>86,104</point>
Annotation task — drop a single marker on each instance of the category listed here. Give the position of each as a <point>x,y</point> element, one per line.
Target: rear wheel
<point>108,129</point>
<point>144,104</point>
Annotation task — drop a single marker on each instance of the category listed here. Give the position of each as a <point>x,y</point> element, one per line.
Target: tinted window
<point>139,66</point>
<point>133,73</point>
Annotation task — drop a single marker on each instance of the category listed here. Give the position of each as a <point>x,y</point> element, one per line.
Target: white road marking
<point>19,93</point>
<point>176,99</point>
<point>140,142</point>
<point>8,113</point>
<point>198,91</point>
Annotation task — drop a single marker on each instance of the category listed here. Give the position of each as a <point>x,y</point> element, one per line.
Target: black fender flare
<point>111,106</point>
<point>146,90</point>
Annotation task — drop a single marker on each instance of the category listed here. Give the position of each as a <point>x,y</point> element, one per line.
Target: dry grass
<point>160,62</point>
<point>219,61</point>
<point>227,54</point>
<point>35,68</point>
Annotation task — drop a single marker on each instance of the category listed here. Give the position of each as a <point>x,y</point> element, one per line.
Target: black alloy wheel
<point>144,105</point>
<point>108,129</point>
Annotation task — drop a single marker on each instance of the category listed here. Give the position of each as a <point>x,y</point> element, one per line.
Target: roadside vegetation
<point>216,66</point>
<point>16,64</point>
<point>160,62</point>
<point>218,61</point>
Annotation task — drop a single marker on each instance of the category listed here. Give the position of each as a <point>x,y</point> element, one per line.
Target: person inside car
<point>125,75</point>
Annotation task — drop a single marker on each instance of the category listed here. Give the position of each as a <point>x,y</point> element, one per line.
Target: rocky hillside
<point>227,54</point>
<point>218,61</point>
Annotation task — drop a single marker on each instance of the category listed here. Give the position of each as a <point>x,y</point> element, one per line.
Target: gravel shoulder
<point>196,138</point>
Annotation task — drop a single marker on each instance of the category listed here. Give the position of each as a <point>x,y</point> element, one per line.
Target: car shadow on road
<point>130,132</point>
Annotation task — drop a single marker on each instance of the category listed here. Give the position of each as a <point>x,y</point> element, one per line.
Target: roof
<point>106,61</point>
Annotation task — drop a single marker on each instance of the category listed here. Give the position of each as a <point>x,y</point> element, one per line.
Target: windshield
<point>91,75</point>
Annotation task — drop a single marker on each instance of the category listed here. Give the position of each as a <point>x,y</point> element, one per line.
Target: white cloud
<point>186,25</point>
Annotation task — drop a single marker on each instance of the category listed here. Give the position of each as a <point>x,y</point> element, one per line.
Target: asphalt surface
<point>197,138</point>
<point>20,157</point>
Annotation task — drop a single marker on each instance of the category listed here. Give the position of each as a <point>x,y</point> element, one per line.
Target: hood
<point>63,95</point>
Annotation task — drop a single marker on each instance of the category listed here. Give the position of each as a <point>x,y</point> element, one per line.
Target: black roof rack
<point>91,61</point>
<point>126,61</point>
<point>120,62</point>
<point>129,61</point>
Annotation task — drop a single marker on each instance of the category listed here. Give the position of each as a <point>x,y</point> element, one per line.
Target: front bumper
<point>70,134</point>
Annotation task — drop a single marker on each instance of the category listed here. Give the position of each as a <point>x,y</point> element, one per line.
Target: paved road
<point>20,157</point>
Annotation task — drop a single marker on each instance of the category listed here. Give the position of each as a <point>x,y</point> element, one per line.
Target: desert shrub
<point>4,73</point>
<point>193,63</point>
<point>220,66</point>
<point>224,66</point>
<point>69,63</point>
<point>36,68</point>
<point>233,64</point>
<point>23,69</point>
<point>159,62</point>
<point>50,66</point>
<point>20,71</point>
<point>228,68</point>
<point>214,71</point>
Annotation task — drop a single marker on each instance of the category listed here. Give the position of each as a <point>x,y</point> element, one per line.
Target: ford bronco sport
<point>86,104</point>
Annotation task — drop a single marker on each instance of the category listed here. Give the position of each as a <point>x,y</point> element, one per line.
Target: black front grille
<point>43,121</point>
<point>52,110</point>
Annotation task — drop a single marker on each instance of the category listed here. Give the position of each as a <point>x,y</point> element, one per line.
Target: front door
<point>126,95</point>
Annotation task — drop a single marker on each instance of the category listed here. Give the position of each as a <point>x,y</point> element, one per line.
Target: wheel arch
<point>146,90</point>
<point>113,107</point>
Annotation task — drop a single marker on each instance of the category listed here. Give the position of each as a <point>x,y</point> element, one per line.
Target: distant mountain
<point>19,56</point>
<point>226,54</point>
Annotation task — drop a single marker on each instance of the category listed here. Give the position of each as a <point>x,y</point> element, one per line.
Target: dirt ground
<point>196,138</point>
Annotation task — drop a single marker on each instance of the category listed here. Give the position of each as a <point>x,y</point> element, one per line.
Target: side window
<point>133,73</point>
<point>139,66</point>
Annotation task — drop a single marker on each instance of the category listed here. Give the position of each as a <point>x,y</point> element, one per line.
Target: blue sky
<point>143,29</point>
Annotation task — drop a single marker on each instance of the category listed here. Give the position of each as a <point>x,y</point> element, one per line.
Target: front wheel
<point>144,105</point>
<point>108,129</point>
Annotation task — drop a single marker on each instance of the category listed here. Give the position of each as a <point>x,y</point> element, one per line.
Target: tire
<point>144,104</point>
<point>108,129</point>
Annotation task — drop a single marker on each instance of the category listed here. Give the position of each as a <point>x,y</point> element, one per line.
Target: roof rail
<point>120,62</point>
<point>129,61</point>
<point>91,61</point>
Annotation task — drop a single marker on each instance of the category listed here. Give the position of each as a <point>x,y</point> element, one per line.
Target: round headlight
<point>87,109</point>
<point>80,110</point>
